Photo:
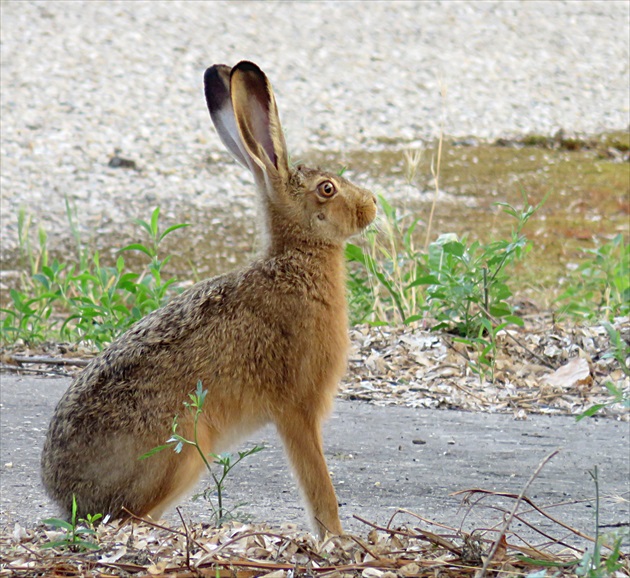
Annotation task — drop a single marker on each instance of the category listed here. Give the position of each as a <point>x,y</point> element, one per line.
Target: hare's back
<point>142,370</point>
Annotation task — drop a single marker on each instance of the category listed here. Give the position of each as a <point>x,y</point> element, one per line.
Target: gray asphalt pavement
<point>381,459</point>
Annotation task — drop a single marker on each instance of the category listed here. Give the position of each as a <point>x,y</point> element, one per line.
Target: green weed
<point>467,285</point>
<point>456,286</point>
<point>392,262</point>
<point>593,563</point>
<point>73,538</point>
<point>110,299</point>
<point>600,287</point>
<point>225,461</point>
<point>87,301</point>
<point>27,316</point>
<point>151,289</point>
<point>458,283</point>
<point>620,351</point>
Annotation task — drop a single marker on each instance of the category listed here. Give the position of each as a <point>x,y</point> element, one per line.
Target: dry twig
<point>500,539</point>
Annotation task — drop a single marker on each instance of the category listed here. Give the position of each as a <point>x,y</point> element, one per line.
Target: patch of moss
<point>535,140</point>
<point>619,140</point>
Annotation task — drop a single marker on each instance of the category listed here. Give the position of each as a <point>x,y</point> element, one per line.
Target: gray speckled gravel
<point>81,79</point>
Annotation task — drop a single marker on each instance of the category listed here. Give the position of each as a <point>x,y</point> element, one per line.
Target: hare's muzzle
<point>366,210</point>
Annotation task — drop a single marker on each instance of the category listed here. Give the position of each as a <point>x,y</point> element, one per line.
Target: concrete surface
<point>381,459</point>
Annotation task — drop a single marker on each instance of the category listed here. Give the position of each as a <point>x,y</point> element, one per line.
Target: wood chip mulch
<point>549,368</point>
<point>545,367</point>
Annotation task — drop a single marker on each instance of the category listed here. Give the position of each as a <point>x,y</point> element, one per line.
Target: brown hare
<point>268,341</point>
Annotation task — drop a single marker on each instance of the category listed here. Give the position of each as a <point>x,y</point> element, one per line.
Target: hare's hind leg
<point>185,473</point>
<point>185,469</point>
<point>302,438</point>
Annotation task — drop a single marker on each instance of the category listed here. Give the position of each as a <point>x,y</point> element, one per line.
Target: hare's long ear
<point>258,122</point>
<point>217,88</point>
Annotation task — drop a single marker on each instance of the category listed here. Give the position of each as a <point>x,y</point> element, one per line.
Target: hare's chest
<point>327,347</point>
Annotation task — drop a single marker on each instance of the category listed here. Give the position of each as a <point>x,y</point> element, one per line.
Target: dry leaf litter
<point>243,551</point>
<point>546,368</point>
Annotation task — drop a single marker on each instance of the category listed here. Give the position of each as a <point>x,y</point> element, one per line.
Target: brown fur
<point>268,342</point>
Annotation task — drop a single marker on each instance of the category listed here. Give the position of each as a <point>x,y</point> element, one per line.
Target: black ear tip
<point>211,74</point>
<point>215,81</point>
<point>248,66</point>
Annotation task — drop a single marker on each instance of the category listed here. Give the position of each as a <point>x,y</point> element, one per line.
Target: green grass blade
<point>57,523</point>
<point>173,228</point>
<point>154,222</point>
<point>154,451</point>
<point>138,247</point>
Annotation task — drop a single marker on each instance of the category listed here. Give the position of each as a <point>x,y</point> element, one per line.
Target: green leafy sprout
<point>226,461</point>
<point>74,531</point>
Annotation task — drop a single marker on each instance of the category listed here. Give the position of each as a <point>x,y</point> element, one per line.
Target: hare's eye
<point>326,189</point>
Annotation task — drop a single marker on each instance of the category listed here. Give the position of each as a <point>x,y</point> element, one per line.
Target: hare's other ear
<point>217,88</point>
<point>257,120</point>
